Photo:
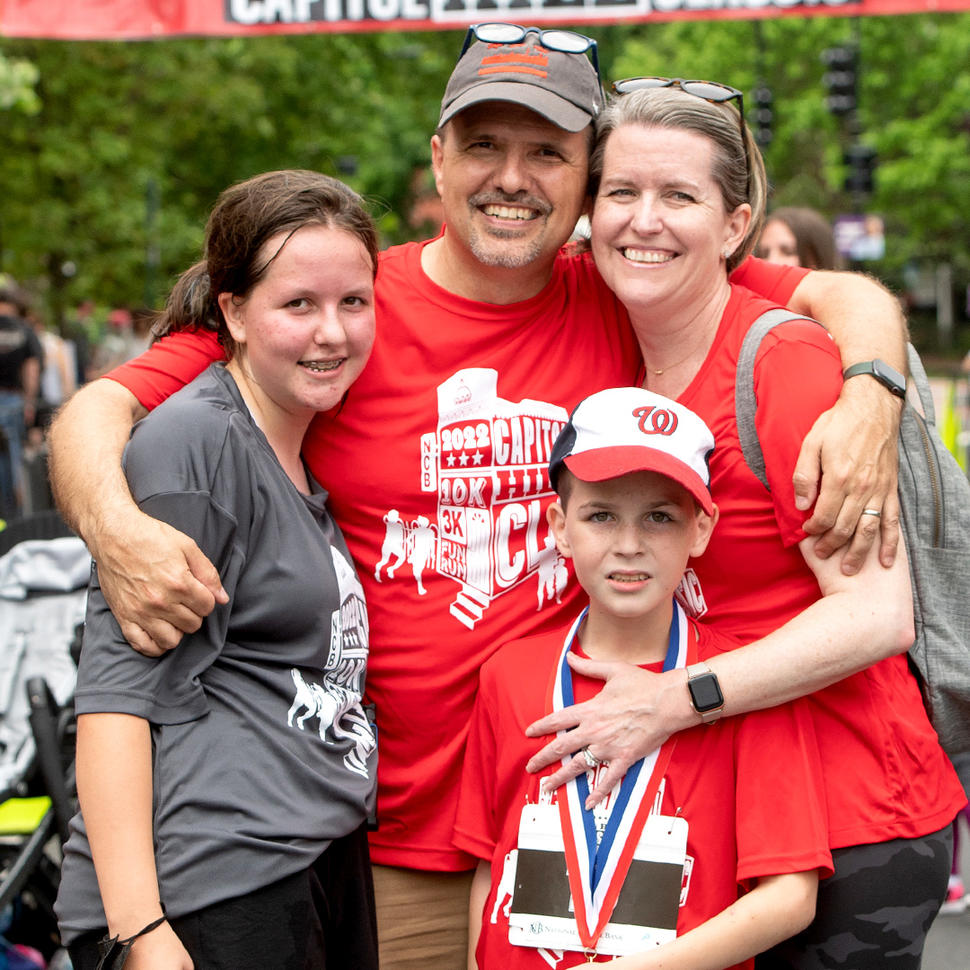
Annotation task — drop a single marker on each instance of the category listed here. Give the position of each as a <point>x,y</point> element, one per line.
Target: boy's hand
<point>626,720</point>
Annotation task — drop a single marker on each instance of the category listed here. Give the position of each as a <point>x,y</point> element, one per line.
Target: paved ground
<point>948,945</point>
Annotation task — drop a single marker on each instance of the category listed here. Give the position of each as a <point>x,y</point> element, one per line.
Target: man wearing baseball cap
<point>631,471</point>
<point>488,335</point>
<point>546,79</point>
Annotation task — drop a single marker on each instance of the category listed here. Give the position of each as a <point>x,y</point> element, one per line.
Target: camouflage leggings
<point>875,912</point>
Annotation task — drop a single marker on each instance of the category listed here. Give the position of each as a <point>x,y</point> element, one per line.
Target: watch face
<point>705,693</point>
<point>889,376</point>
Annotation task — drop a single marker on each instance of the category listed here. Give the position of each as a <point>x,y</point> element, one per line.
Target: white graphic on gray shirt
<point>336,701</point>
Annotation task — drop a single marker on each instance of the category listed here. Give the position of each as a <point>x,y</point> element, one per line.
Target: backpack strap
<point>745,402</point>
<point>921,383</point>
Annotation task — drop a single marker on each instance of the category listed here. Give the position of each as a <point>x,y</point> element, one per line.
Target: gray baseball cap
<point>562,87</point>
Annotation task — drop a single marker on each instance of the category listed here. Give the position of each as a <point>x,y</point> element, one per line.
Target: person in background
<point>119,343</point>
<point>679,200</point>
<point>57,382</point>
<point>798,236</point>
<point>224,791</point>
<point>79,329</point>
<point>435,464</point>
<point>58,376</point>
<point>20,364</point>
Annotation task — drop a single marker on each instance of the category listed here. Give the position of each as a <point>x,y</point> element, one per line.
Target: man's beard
<point>490,250</point>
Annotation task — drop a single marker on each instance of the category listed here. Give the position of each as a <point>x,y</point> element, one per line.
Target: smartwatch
<point>888,376</point>
<point>705,692</point>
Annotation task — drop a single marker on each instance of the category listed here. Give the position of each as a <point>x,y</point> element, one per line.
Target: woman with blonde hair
<point>679,194</point>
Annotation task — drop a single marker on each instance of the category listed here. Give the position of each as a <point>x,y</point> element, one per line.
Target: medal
<point>598,867</point>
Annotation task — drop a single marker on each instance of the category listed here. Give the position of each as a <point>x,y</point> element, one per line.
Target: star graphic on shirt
<point>478,458</point>
<point>451,461</point>
<point>463,460</point>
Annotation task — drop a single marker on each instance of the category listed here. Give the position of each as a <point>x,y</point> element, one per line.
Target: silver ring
<point>874,512</point>
<point>591,758</point>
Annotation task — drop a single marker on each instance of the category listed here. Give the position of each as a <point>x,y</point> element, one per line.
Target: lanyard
<point>597,868</point>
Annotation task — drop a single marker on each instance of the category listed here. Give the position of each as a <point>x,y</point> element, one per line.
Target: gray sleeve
<point>111,675</point>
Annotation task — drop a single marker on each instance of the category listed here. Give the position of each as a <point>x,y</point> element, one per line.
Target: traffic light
<point>861,160</point>
<point>763,116</point>
<point>840,79</point>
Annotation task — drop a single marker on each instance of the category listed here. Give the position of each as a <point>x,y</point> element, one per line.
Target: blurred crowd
<point>40,367</point>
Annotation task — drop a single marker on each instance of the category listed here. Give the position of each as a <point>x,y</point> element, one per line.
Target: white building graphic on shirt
<point>487,462</point>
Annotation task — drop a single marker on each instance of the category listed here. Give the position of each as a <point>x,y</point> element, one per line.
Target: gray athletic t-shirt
<point>262,752</point>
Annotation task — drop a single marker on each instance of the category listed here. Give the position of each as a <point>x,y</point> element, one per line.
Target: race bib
<point>542,912</point>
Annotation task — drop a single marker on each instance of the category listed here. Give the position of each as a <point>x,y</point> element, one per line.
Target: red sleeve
<point>168,365</point>
<point>781,815</point>
<point>797,376</point>
<point>773,281</point>
<point>477,829</point>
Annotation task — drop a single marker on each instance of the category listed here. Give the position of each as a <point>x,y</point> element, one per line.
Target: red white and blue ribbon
<point>597,869</point>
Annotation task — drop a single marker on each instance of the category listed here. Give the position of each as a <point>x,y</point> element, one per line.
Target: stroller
<point>43,591</point>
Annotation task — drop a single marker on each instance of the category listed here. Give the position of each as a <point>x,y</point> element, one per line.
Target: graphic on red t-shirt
<point>487,461</point>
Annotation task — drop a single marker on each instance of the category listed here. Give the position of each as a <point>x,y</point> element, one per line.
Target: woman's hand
<point>634,713</point>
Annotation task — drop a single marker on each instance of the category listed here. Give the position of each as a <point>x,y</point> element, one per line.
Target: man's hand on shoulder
<point>156,581</point>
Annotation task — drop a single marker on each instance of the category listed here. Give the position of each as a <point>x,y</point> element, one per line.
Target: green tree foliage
<point>132,142</point>
<point>18,78</point>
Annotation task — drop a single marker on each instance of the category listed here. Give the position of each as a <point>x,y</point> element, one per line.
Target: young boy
<point>713,845</point>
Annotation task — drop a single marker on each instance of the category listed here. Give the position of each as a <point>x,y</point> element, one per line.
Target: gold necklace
<point>657,373</point>
<point>705,344</point>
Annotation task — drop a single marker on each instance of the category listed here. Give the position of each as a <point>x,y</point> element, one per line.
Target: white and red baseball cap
<point>629,429</point>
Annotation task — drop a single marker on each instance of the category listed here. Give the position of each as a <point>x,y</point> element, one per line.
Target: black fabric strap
<point>114,952</point>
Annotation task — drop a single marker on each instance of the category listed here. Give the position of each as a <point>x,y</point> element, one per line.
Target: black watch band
<point>888,376</point>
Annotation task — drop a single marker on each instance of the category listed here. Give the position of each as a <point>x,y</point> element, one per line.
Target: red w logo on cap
<point>661,421</point>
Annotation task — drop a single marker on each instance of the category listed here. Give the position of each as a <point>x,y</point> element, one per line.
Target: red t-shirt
<point>886,775</point>
<point>436,468</point>
<point>747,818</point>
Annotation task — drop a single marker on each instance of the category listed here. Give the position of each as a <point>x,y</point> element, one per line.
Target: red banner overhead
<point>141,19</point>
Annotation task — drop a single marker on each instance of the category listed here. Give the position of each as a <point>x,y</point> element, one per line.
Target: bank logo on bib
<point>487,462</point>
